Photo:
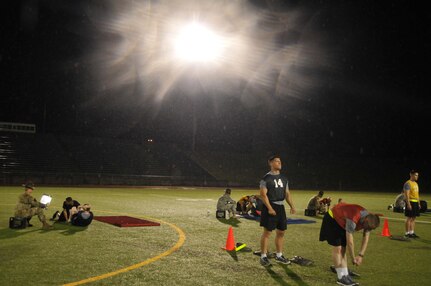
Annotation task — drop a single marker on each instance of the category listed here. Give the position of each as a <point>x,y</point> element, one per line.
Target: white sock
<point>339,272</point>
<point>412,231</point>
<point>279,254</point>
<point>263,255</point>
<point>345,271</point>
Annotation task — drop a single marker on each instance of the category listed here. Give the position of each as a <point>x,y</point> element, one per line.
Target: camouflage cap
<point>28,185</point>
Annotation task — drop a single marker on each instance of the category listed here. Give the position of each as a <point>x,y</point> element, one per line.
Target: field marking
<point>178,244</point>
<point>196,200</point>
<point>403,219</point>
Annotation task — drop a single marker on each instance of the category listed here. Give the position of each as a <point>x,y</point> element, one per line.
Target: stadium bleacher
<point>77,160</point>
<point>93,160</point>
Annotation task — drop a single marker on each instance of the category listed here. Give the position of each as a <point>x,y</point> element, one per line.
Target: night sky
<point>359,86</point>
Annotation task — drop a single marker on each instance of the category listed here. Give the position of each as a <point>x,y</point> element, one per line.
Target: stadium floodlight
<point>197,43</point>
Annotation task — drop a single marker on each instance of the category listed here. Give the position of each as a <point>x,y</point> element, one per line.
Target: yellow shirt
<point>413,189</point>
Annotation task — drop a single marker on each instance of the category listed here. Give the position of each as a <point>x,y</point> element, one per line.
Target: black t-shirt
<point>276,186</point>
<point>68,207</point>
<point>80,219</point>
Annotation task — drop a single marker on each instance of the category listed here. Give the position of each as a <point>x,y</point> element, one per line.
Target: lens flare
<point>196,43</point>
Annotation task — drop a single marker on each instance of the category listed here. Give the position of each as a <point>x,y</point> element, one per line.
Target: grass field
<point>186,248</point>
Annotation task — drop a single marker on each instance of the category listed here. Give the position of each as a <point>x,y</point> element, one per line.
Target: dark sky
<point>371,98</point>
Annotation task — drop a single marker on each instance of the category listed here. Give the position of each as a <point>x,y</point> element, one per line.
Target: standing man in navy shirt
<point>274,190</point>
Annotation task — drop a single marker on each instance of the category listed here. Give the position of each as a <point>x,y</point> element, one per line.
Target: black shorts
<point>271,222</point>
<point>332,232</point>
<point>238,207</point>
<point>414,212</point>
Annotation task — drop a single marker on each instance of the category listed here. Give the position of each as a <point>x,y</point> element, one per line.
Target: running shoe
<point>282,260</point>
<point>346,281</point>
<point>264,261</point>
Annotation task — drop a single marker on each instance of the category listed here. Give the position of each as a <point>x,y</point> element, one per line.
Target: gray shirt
<point>351,226</point>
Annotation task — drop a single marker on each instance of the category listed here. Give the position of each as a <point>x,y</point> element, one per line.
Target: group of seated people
<point>246,205</point>
<point>28,206</point>
<point>75,213</point>
<point>252,205</point>
<point>318,205</point>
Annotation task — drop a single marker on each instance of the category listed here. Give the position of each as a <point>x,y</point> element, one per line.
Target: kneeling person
<point>81,215</point>
<point>68,204</point>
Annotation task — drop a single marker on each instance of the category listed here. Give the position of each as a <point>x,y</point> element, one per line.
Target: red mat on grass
<point>126,221</point>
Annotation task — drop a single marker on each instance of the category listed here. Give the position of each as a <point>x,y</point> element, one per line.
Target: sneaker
<point>282,260</point>
<point>55,215</point>
<point>346,281</point>
<point>351,280</point>
<point>407,235</point>
<point>264,261</point>
<point>413,235</point>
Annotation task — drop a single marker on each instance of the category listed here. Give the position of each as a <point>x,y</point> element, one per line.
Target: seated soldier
<point>81,215</point>
<point>314,204</point>
<point>28,206</point>
<point>244,205</point>
<point>400,204</point>
<point>225,203</point>
<point>68,204</point>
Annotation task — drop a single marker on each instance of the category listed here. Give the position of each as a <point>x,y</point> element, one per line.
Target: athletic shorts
<point>332,232</point>
<point>238,207</point>
<point>271,222</point>
<point>414,212</point>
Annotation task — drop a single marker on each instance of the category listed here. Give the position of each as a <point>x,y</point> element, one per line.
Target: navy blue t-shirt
<point>277,185</point>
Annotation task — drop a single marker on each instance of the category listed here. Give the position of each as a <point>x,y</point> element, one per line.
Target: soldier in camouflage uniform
<point>28,206</point>
<point>225,203</point>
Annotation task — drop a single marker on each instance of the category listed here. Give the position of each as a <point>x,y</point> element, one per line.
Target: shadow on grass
<point>67,229</point>
<point>277,278</point>
<point>64,229</point>
<point>8,233</point>
<point>233,221</point>
<point>421,247</point>
<point>233,254</point>
<point>426,241</point>
<point>295,277</point>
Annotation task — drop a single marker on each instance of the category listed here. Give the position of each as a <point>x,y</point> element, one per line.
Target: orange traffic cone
<point>385,230</point>
<point>230,241</point>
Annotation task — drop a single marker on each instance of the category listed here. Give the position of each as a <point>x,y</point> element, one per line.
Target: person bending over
<point>338,226</point>
<point>244,205</point>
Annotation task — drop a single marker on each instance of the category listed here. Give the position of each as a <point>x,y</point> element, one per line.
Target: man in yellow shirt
<point>413,206</point>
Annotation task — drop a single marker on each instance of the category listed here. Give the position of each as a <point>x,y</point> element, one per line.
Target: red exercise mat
<point>126,221</point>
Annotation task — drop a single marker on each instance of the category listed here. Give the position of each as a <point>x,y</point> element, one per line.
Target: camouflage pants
<point>229,207</point>
<point>31,212</point>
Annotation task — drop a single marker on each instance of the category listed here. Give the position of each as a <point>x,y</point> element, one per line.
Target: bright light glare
<point>196,43</point>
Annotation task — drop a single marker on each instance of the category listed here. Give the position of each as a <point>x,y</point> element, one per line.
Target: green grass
<point>68,254</point>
